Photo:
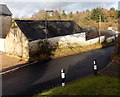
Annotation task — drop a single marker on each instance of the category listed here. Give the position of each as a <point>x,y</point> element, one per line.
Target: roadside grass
<point>92,85</point>
<point>106,83</point>
<point>65,51</point>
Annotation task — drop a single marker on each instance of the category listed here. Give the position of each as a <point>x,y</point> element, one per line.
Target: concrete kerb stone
<point>7,70</point>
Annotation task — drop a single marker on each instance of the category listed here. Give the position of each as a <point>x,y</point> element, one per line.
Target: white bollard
<point>63,77</point>
<point>95,67</point>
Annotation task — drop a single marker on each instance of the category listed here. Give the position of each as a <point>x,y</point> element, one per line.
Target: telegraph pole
<point>46,32</point>
<point>99,25</point>
<point>47,11</point>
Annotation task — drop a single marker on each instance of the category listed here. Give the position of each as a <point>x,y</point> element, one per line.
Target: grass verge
<point>94,85</point>
<point>65,51</point>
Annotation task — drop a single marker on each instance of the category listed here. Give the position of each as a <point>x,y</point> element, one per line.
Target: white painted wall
<point>75,39</point>
<point>111,28</point>
<point>69,40</point>
<point>2,44</point>
<point>110,39</point>
<point>95,40</point>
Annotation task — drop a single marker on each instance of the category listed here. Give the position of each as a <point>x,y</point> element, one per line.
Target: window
<point>15,32</point>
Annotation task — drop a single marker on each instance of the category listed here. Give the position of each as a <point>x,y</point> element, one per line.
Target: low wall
<point>2,44</point>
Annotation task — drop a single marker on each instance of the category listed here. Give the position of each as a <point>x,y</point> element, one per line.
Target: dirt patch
<point>8,61</point>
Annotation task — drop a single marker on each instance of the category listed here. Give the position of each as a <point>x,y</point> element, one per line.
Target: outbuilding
<point>5,24</point>
<point>25,35</point>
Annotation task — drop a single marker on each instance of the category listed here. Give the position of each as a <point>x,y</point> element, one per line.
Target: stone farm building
<point>24,35</point>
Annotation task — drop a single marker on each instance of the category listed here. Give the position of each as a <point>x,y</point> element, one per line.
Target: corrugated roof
<point>35,29</point>
<point>4,10</point>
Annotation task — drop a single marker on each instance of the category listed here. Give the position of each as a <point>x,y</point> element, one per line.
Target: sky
<point>27,9</point>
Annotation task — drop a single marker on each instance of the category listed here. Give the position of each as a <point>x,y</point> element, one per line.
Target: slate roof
<point>107,33</point>
<point>35,29</point>
<point>4,10</point>
<point>91,32</point>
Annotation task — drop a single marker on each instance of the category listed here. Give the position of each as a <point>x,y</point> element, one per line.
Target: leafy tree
<point>113,9</point>
<point>113,12</point>
<point>88,17</point>
<point>97,14</point>
<point>41,15</point>
<point>70,15</point>
<point>57,15</point>
<point>64,14</point>
<point>118,13</point>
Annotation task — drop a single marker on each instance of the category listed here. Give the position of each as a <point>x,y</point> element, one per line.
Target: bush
<point>97,14</point>
<point>46,48</point>
<point>43,51</point>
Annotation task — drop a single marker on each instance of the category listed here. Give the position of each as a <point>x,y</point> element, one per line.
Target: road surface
<point>38,77</point>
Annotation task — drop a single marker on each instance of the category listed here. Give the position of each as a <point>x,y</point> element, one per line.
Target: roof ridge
<point>5,10</point>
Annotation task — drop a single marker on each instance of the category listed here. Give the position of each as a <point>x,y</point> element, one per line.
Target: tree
<point>70,15</point>
<point>113,12</point>
<point>56,15</point>
<point>118,13</point>
<point>97,14</point>
<point>112,9</point>
<point>41,15</point>
<point>64,14</point>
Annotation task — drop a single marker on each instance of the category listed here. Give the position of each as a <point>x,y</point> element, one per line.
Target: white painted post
<point>63,77</point>
<point>95,67</point>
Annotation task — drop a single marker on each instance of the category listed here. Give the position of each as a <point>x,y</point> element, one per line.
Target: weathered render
<point>5,24</point>
<point>17,43</point>
<point>5,20</point>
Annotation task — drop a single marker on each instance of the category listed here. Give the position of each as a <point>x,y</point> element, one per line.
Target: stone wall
<point>17,43</point>
<point>5,24</point>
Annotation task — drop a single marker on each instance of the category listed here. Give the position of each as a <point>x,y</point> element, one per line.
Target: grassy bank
<point>105,83</point>
<point>65,51</point>
<point>94,85</point>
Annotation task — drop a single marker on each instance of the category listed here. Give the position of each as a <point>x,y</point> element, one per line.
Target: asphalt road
<point>38,77</point>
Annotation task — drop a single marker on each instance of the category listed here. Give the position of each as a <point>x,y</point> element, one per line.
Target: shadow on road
<point>41,76</point>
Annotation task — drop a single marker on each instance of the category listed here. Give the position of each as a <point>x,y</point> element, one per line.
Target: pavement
<point>8,61</point>
<point>39,77</point>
